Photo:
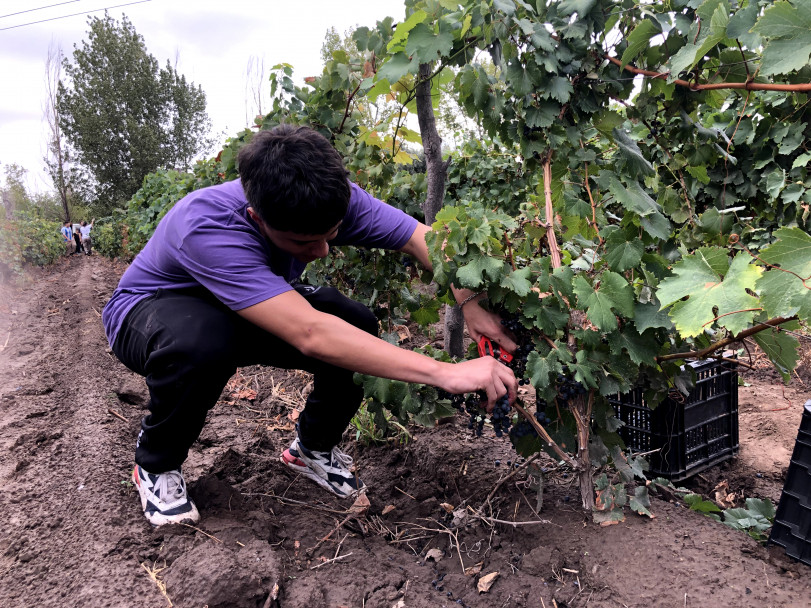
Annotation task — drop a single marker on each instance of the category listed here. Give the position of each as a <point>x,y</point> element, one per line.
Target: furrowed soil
<point>73,534</point>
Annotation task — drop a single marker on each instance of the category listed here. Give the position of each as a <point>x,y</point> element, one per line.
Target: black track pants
<point>187,345</point>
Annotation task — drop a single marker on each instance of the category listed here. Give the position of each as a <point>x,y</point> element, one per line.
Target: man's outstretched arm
<point>480,322</point>
<point>328,338</point>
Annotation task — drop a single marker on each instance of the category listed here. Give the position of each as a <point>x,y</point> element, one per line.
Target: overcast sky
<point>214,40</point>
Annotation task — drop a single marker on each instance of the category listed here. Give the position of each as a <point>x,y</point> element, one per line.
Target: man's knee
<point>332,301</point>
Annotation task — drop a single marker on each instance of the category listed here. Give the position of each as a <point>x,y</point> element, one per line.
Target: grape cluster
<point>525,346</point>
<point>568,389</point>
<point>500,417</point>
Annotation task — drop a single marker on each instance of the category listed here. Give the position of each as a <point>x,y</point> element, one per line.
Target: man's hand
<point>482,374</point>
<point>482,322</point>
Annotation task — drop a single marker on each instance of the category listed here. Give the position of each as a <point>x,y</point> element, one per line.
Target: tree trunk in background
<point>437,172</point>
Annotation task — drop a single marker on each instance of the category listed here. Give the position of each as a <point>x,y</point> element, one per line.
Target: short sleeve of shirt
<point>370,222</point>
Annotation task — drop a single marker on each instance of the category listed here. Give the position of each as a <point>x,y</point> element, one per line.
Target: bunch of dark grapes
<point>500,417</point>
<point>471,404</point>
<point>525,346</point>
<point>524,429</point>
<point>568,389</point>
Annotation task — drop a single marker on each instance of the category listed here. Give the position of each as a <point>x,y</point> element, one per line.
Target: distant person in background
<point>77,238</point>
<point>67,234</point>
<point>87,243</point>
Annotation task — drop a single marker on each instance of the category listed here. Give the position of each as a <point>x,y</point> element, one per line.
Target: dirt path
<point>73,535</point>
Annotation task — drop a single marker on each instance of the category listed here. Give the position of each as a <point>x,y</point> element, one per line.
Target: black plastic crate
<point>792,522</point>
<point>689,435</point>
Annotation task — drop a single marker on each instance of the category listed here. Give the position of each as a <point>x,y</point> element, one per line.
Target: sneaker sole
<point>310,474</point>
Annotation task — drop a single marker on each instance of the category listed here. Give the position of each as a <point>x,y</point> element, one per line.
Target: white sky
<point>214,40</point>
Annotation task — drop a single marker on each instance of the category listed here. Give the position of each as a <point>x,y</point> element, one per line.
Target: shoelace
<point>341,457</point>
<point>169,485</point>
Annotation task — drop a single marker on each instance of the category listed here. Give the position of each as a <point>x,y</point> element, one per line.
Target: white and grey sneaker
<point>330,470</point>
<point>164,498</point>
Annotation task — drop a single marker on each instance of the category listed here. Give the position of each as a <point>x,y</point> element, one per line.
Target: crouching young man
<point>216,288</point>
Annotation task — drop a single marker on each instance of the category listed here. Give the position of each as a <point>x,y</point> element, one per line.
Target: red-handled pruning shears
<point>492,349</point>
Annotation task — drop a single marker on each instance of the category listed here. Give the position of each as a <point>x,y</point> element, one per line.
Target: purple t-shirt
<point>207,239</point>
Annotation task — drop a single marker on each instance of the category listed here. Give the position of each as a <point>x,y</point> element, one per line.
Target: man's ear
<point>255,216</point>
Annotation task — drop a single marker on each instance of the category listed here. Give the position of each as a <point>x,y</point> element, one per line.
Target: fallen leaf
<point>402,332</point>
<point>475,569</point>
<point>435,554</point>
<point>388,509</point>
<point>448,507</point>
<point>361,504</point>
<point>486,582</point>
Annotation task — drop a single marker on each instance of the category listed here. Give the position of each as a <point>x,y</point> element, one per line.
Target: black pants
<point>187,345</point>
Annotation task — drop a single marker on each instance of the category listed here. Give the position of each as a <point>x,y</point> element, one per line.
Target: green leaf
<point>697,503</point>
<point>635,199</point>
<point>781,348</point>
<point>396,67</point>
<point>763,507</point>
<point>640,349</point>
<point>505,6</point>
<point>560,89</point>
<point>639,39</point>
<point>581,7</point>
<point>640,502</point>
<point>426,46</point>
<point>788,28</point>
<point>613,293</point>
<point>709,287</point>
<point>518,281</point>
<point>700,173</point>
<point>713,31</point>
<point>802,160</point>
<point>623,252</point>
<point>470,275</point>
<point>631,155</point>
<point>647,316</point>
<point>403,28</point>
<point>791,251</point>
<point>542,115</point>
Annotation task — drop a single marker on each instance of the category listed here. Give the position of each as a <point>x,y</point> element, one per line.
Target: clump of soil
<point>73,533</point>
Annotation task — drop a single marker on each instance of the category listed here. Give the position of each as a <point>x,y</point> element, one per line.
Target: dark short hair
<point>294,180</point>
<point>84,223</point>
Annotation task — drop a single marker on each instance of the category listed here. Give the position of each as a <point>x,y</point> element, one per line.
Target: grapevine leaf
<point>742,22</point>
<point>648,316</point>
<point>764,508</point>
<point>635,199</point>
<point>711,35</point>
<point>599,303</point>
<point>783,294</point>
<point>470,275</point>
<point>640,349</point>
<point>788,28</point>
<point>631,155</point>
<point>639,39</point>
<point>403,28</point>
<point>581,7</point>
<point>705,282</point>
<point>427,46</point>
<point>505,6</point>
<point>542,115</point>
<point>697,503</point>
<point>518,281</point>
<point>640,502</point>
<point>540,368</point>
<point>781,348</point>
<point>427,314</point>
<point>560,89</point>
<point>623,253</point>
<point>396,67</point>
<point>791,251</point>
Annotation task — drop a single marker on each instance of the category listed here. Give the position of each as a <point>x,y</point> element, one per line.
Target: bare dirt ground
<point>72,532</point>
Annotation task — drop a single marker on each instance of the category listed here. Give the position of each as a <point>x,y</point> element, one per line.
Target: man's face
<point>304,247</point>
